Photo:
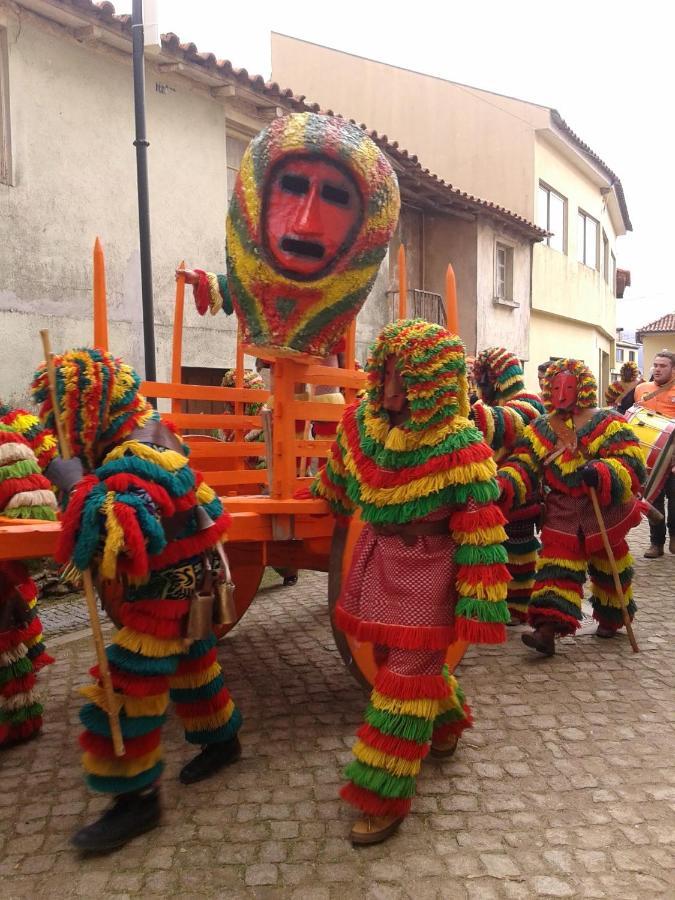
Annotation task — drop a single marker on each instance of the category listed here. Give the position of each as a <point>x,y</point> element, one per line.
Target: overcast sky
<point>607,67</point>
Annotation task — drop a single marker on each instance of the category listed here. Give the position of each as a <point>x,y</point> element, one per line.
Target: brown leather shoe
<point>603,631</point>
<point>542,640</point>
<point>671,545</point>
<point>655,550</point>
<point>374,829</point>
<point>444,749</point>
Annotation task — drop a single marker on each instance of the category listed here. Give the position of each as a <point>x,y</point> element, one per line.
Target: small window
<point>503,273</point>
<point>587,240</point>
<point>631,355</point>
<point>235,147</point>
<point>619,354</point>
<point>5,137</point>
<point>552,215</point>
<point>612,273</point>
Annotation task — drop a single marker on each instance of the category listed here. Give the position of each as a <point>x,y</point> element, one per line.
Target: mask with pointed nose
<point>564,391</point>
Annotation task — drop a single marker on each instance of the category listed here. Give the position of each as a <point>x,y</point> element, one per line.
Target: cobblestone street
<point>565,787</point>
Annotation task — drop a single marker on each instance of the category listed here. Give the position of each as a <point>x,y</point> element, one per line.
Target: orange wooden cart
<point>269,527</point>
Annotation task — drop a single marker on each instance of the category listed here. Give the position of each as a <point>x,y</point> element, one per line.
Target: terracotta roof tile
<point>665,323</point>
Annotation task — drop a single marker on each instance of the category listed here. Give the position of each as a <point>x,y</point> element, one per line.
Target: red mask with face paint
<point>394,397</point>
<point>312,213</point>
<point>564,392</point>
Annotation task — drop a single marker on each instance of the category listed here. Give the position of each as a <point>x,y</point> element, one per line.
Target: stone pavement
<point>564,788</point>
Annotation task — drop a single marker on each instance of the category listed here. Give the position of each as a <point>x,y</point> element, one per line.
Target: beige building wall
<point>440,121</point>
<point>652,344</point>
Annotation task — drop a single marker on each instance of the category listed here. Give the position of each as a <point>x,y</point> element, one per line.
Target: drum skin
<point>358,655</point>
<point>656,434</point>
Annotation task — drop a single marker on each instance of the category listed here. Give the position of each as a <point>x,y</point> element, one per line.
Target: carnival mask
<point>312,211</point>
<point>564,391</point>
<point>394,396</point>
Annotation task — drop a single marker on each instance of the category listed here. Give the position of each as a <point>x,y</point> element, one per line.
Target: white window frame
<point>6,172</point>
<point>581,239</point>
<point>548,190</point>
<point>237,135</point>
<point>504,297</point>
<point>612,272</point>
<point>605,256</point>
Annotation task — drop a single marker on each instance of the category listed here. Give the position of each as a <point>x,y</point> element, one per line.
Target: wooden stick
<point>402,284</point>
<point>112,700</point>
<point>615,571</point>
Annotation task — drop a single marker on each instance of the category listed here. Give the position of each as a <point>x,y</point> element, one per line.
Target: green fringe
<point>454,714</point>
<point>19,716</point>
<point>520,548</point>
<point>483,610</point>
<point>15,670</point>
<point>412,728</point>
<point>552,571</point>
<point>379,781</point>
<point>470,555</point>
<point>482,492</point>
<point>19,469</point>
<point>551,600</point>
<point>31,512</point>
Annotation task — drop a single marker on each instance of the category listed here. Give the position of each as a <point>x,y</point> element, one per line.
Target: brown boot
<point>671,545</point>
<point>374,829</point>
<point>604,631</point>
<point>655,550</point>
<point>542,640</point>
<point>444,749</point>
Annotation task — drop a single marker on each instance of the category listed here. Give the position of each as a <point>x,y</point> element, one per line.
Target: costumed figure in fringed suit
<point>24,494</point>
<point>429,566</point>
<point>620,395</point>
<point>137,511</point>
<point>501,413</point>
<point>574,448</point>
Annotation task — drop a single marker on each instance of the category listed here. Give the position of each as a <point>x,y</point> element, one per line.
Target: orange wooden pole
<point>100,303</point>
<point>451,313</point>
<point>402,284</point>
<point>239,380</point>
<point>177,340</point>
<point>350,349</point>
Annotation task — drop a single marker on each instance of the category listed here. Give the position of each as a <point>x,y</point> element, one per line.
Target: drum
<point>656,434</point>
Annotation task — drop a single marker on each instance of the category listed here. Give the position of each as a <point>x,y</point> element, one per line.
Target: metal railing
<point>421,305</point>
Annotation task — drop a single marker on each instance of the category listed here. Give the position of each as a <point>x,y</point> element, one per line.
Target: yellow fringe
<point>31,642</point>
<point>521,559</point>
<point>216,300</point>
<point>212,720</point>
<point>194,679</point>
<point>482,537</point>
<point>205,493</point>
<point>394,764</point>
<point>624,478</point>
<point>575,565</point>
<point>423,709</point>
<point>572,596</point>
<point>602,563</point>
<point>521,489</point>
<point>611,598</point>
<point>608,432</point>
<point>148,644</point>
<point>169,460</point>
<point>490,592</point>
<point>134,707</point>
<point>114,539</point>
<point>120,767</point>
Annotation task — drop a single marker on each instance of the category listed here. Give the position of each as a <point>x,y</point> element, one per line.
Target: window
<point>631,355</point>
<point>552,215</point>
<point>235,147</point>
<point>587,240</point>
<point>5,142</point>
<point>605,257</point>
<point>503,273</point>
<point>612,273</point>
<point>619,354</point>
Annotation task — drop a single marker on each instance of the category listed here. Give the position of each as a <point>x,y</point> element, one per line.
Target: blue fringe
<point>190,695</point>
<point>114,784</point>
<point>217,735</point>
<point>137,664</point>
<point>96,720</point>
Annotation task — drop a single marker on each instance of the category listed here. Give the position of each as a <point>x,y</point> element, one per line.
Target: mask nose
<point>309,222</point>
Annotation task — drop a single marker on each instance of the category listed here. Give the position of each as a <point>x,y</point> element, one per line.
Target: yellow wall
<point>652,344</point>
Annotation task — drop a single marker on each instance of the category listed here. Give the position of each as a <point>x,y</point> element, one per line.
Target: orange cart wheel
<point>358,656</point>
<point>247,572</point>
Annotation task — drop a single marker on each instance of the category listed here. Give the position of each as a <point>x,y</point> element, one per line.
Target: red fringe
<point>372,804</point>
<point>531,511</point>
<point>102,747</point>
<point>488,516</point>
<point>204,707</point>
<point>201,292</point>
<point>18,686</point>
<point>394,746</point>
<point>458,727</point>
<point>158,609</point>
<point>480,632</point>
<point>187,666</point>
<point>560,544</point>
<point>411,687</point>
<point>20,732</point>
<point>134,685</point>
<point>406,637</point>
<point>303,493</point>
<point>565,584</point>
<point>11,639</point>
<point>564,624</point>
<point>44,659</point>
<point>482,573</point>
<point>184,548</point>
<point>135,559</point>
<point>12,486</point>
<point>72,517</point>
<point>167,629</point>
<point>617,533</point>
<point>160,497</point>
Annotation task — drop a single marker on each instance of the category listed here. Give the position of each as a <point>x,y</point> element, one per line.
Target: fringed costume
<point>620,394</point>
<point>501,414</point>
<point>24,494</point>
<point>429,566</point>
<point>143,515</point>
<point>568,451</point>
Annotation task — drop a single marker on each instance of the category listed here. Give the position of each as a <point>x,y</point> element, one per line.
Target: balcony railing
<point>421,305</point>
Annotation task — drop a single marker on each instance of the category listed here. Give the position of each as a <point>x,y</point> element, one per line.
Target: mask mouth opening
<point>304,249</point>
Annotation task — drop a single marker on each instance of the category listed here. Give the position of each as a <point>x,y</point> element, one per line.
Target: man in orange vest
<point>659,395</point>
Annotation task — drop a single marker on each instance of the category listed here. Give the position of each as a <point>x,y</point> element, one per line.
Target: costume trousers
<point>149,663</point>
<point>659,530</point>
<point>22,655</point>
<point>414,700</point>
<point>559,582</point>
<point>521,546</point>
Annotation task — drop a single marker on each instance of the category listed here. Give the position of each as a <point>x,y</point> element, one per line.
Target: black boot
<point>130,815</point>
<point>211,759</point>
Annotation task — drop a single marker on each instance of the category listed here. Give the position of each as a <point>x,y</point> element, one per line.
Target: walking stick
<point>615,571</point>
<point>113,702</point>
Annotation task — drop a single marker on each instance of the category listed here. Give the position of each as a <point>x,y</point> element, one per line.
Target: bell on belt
<point>314,206</point>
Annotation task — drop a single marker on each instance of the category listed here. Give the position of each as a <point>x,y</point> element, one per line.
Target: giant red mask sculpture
<point>564,392</point>
<point>312,211</point>
<point>309,223</point>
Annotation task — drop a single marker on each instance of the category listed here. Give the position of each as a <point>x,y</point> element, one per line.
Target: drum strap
<point>660,390</point>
